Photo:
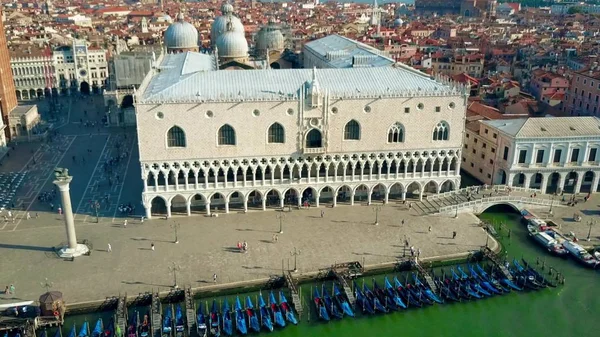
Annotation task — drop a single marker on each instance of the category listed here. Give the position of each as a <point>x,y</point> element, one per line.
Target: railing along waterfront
<point>525,200</point>
<point>485,188</point>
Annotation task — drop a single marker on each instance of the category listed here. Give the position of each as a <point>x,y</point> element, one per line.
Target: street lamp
<point>175,227</point>
<point>592,222</point>
<point>174,268</point>
<point>280,216</point>
<point>295,254</point>
<point>376,209</point>
<point>46,284</point>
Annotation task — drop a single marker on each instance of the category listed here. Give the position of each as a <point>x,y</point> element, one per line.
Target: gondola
<point>265,316</point>
<point>73,331</point>
<point>445,292</point>
<point>493,281</point>
<point>523,278</point>
<point>145,326</point>
<point>473,283</point>
<point>496,274</point>
<point>466,286</point>
<point>342,301</point>
<point>214,321</point>
<point>58,333</point>
<point>44,333</point>
<point>201,326</point>
<point>383,298</point>
<point>132,327</point>
<point>109,331</point>
<point>240,320</point>
<point>226,317</point>
<point>320,305</point>
<point>84,331</point>
<point>167,323</point>
<point>483,282</point>
<point>405,294</point>
<point>287,310</point>
<point>97,332</point>
<point>334,310</point>
<point>253,322</point>
<point>376,303</point>
<point>532,273</point>
<point>418,294</point>
<point>425,288</point>
<point>276,311</point>
<point>539,276</point>
<point>362,301</point>
<point>179,322</point>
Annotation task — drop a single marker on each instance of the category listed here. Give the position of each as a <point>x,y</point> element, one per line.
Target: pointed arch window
<point>352,130</point>
<point>276,134</point>
<point>396,133</point>
<point>441,131</point>
<point>175,137</point>
<point>314,139</point>
<point>226,135</point>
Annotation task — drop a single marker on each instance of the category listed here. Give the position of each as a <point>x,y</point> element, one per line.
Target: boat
<point>44,333</point>
<point>524,279</point>
<point>240,320</point>
<point>342,301</point>
<point>286,309</point>
<point>97,332</point>
<point>547,241</point>
<point>252,318</point>
<point>179,322</point>
<point>201,326</point>
<point>265,316</point>
<point>109,331</point>
<point>320,305</point>
<point>581,255</point>
<point>145,326</point>
<point>84,331</point>
<point>362,301</point>
<point>465,286</point>
<point>537,275</point>
<point>214,321</point>
<point>505,281</point>
<point>167,323</point>
<point>406,294</point>
<point>426,289</point>
<point>334,310</point>
<point>382,296</point>
<point>58,333</point>
<point>132,327</point>
<point>376,302</point>
<point>484,283</point>
<point>445,291</point>
<point>277,314</point>
<point>226,317</point>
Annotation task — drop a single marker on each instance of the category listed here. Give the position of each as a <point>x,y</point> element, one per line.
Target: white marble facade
<point>201,154</point>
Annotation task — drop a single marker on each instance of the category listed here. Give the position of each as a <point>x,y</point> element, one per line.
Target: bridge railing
<point>500,188</point>
<point>525,200</point>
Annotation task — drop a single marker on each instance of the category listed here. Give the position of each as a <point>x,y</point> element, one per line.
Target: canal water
<point>569,310</point>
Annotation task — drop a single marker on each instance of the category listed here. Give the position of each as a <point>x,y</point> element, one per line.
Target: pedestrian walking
<point>28,216</point>
<point>245,246</point>
<point>410,205</point>
<point>59,211</point>
<point>418,252</point>
<point>322,213</point>
<point>239,246</point>
<point>276,238</point>
<point>429,229</point>
<point>6,291</point>
<point>215,278</point>
<point>37,215</point>
<point>9,214</point>
<point>152,246</point>
<point>142,219</point>
<point>454,235</point>
<point>109,248</point>
<point>412,251</point>
<point>12,289</point>
<point>402,222</point>
<point>125,223</point>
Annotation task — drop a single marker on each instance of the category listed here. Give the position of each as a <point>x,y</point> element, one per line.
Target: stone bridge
<point>476,199</point>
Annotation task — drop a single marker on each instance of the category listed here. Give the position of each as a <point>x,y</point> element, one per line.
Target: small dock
<point>488,253</point>
<point>190,309</point>
<point>294,290</point>
<point>121,313</point>
<point>345,271</point>
<point>156,315</point>
<point>426,276</point>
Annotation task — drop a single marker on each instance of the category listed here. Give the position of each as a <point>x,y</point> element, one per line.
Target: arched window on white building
<point>352,130</point>
<point>226,135</point>
<point>396,133</point>
<point>175,137</point>
<point>441,131</point>
<point>276,134</point>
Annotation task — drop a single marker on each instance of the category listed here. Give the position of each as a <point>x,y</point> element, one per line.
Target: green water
<point>570,310</point>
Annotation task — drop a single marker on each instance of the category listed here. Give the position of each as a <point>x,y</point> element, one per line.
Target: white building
<point>553,154</point>
<point>67,69</point>
<point>335,51</point>
<point>222,140</point>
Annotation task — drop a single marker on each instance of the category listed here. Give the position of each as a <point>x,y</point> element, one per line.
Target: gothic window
<point>276,133</point>
<point>314,139</point>
<point>352,130</point>
<point>226,135</point>
<point>396,133</point>
<point>175,137</point>
<point>441,131</point>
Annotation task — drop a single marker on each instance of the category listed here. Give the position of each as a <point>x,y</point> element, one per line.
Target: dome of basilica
<point>232,44</point>
<point>181,35</point>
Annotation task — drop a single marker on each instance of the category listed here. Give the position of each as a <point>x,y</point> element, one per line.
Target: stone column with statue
<point>72,249</point>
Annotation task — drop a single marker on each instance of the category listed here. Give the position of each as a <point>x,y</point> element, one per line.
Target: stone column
<point>578,183</point>
<point>281,203</point>
<point>148,212</point>
<point>403,195</point>
<point>334,200</point>
<point>145,183</point>
<point>387,196</point>
<point>188,207</point>
<point>421,194</point>
<point>352,197</point>
<point>245,204</point>
<point>72,249</point>
<point>168,210</point>
<point>207,208</point>
<point>226,206</point>
<point>595,182</point>
<point>544,185</point>
<point>264,203</point>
